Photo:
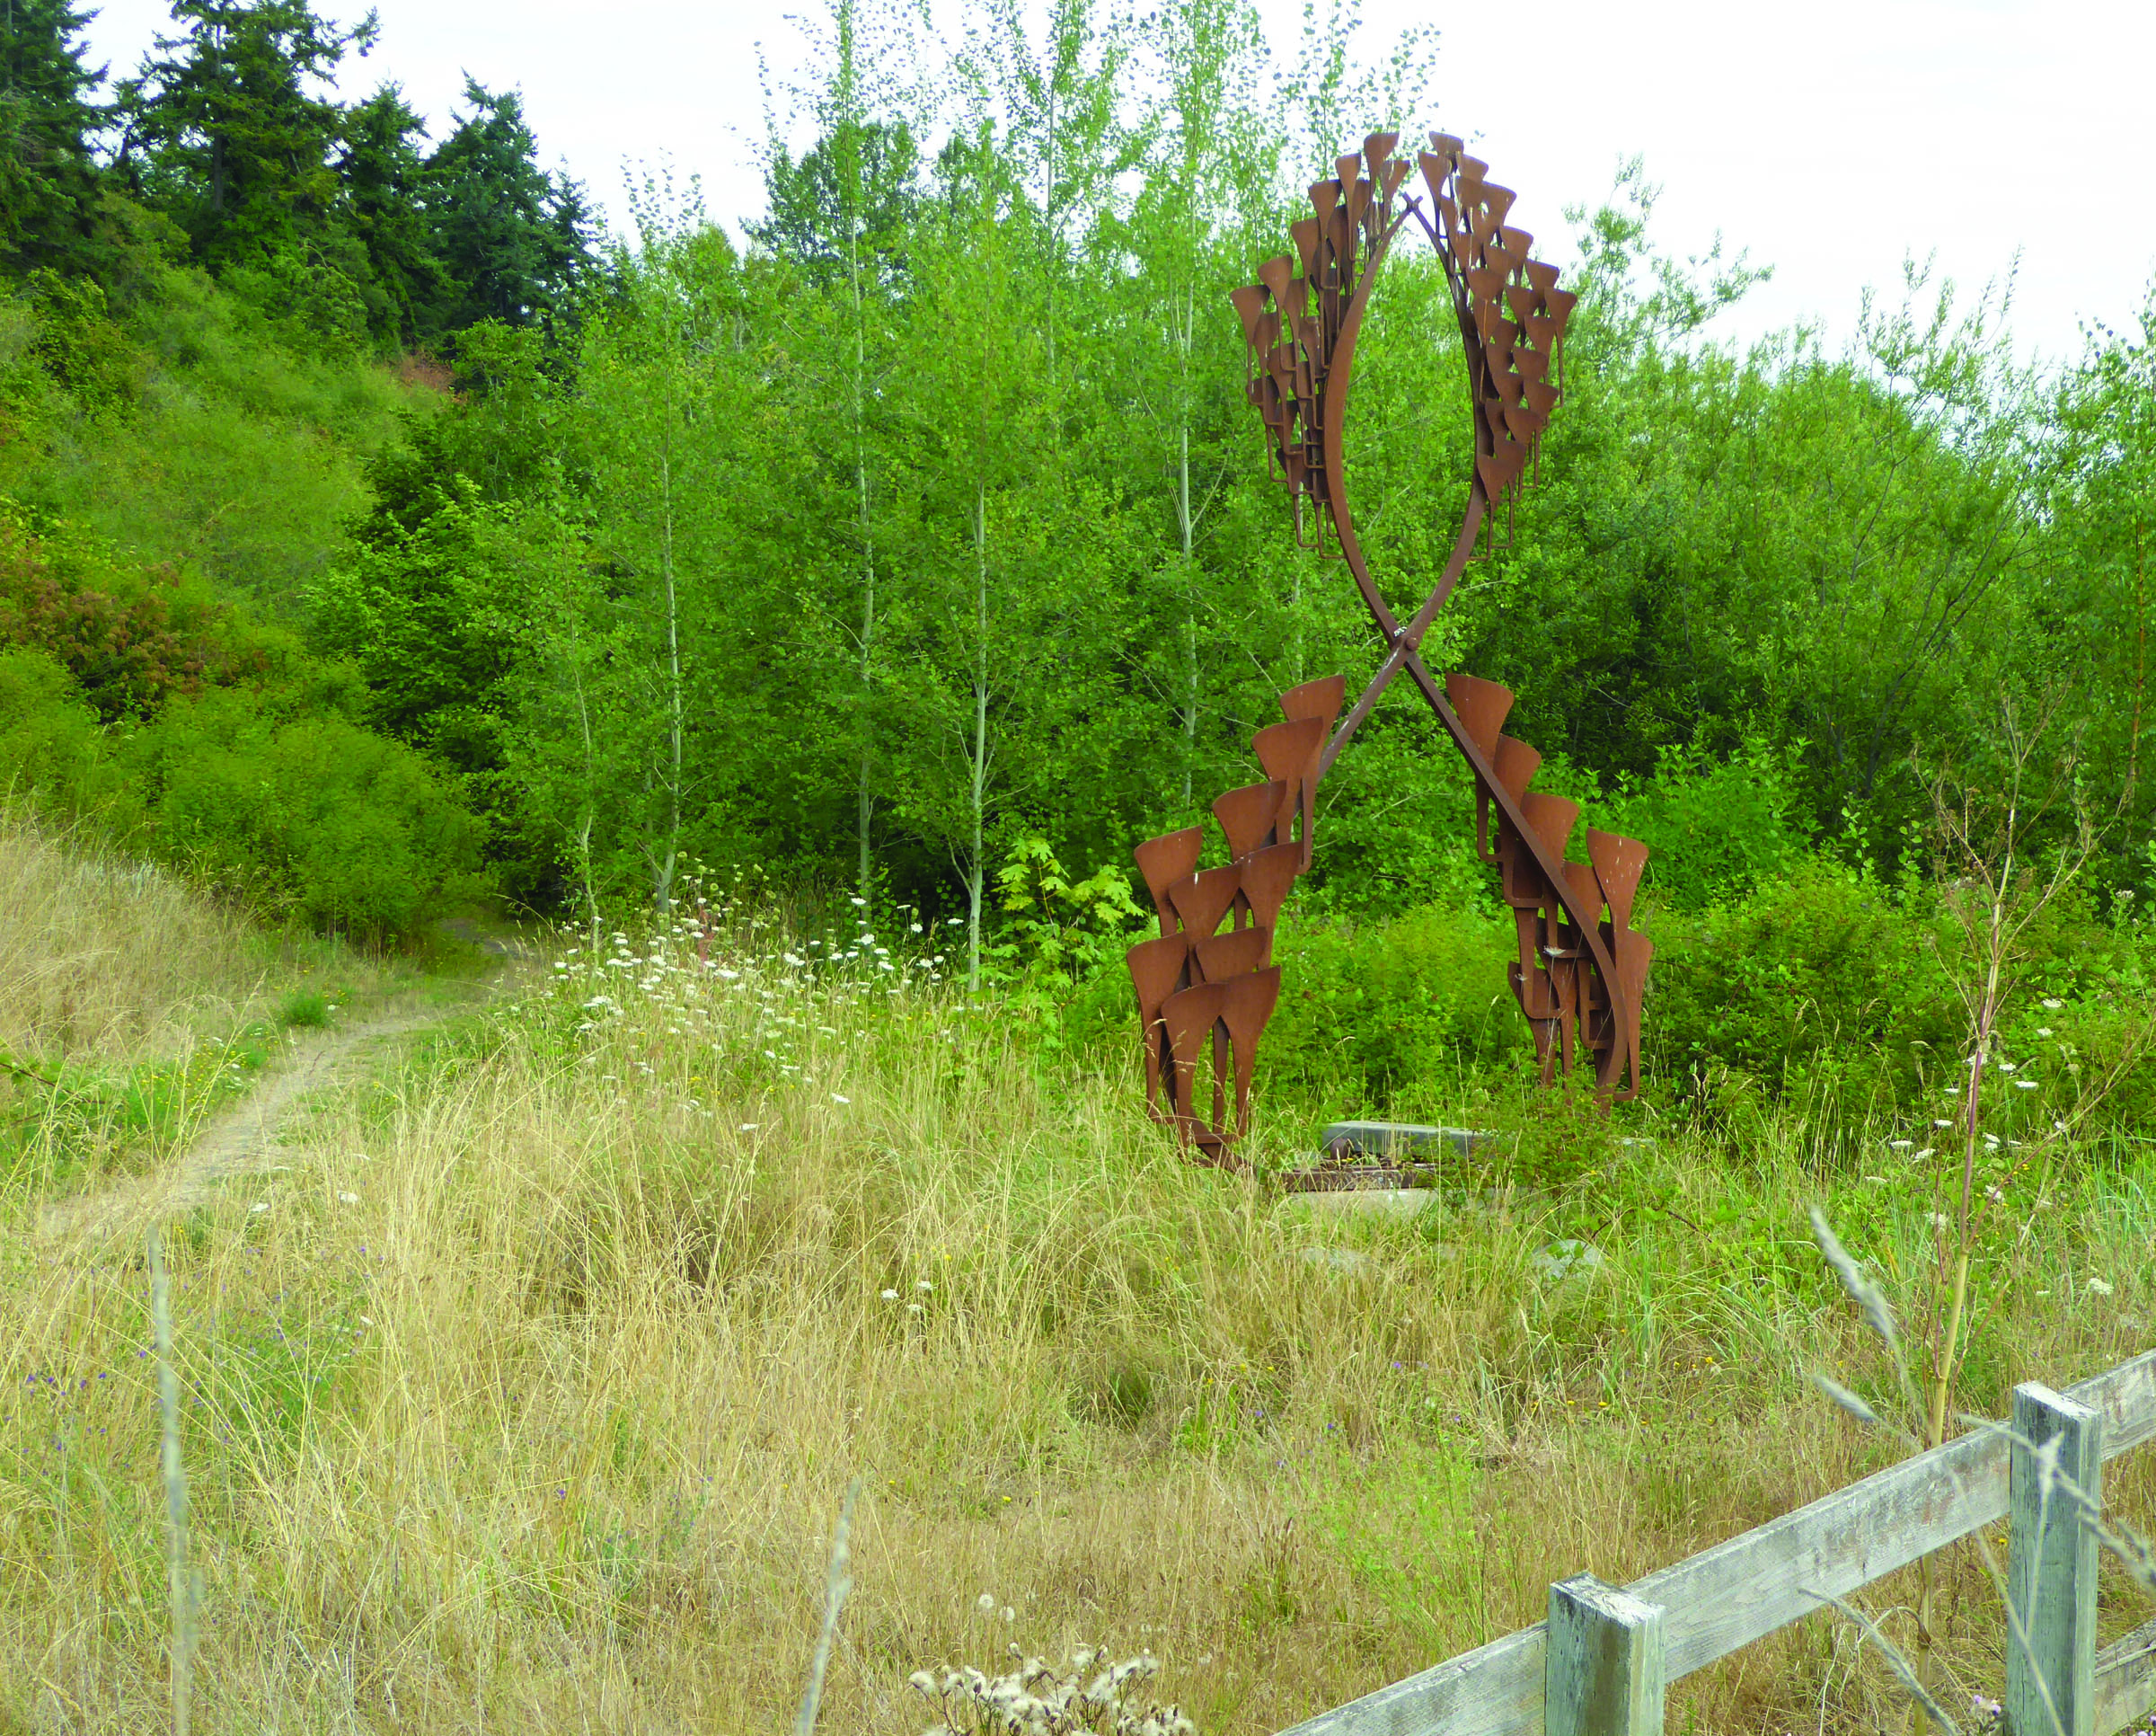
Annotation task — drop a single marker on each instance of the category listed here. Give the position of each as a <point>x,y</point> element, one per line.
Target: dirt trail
<point>244,1139</point>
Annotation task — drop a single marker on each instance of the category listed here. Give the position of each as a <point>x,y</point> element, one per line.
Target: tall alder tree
<point>842,214</point>
<point>664,387</point>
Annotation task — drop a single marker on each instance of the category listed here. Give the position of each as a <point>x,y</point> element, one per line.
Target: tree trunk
<point>977,863</point>
<point>663,888</point>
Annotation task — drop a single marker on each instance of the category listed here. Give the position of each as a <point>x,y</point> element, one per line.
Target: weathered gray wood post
<point>1603,1673</point>
<point>2051,1569</point>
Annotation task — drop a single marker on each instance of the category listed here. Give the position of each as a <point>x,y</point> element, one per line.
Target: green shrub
<point>1817,979</point>
<point>131,634</point>
<point>1369,1009</point>
<point>309,1007</point>
<point>313,815</point>
<point>1716,826</point>
<point>50,746</point>
<point>1822,983</point>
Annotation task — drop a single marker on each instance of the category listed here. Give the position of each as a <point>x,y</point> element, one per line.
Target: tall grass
<point>102,956</point>
<point>527,1393</point>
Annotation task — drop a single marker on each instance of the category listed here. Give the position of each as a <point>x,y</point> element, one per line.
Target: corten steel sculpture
<point>1578,977</point>
<point>1200,985</point>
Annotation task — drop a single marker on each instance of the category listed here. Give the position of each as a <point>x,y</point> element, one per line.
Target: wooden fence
<point>1599,1666</point>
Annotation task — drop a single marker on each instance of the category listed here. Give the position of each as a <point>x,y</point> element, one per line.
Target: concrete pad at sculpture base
<point>1379,1202</point>
<point>1400,1139</point>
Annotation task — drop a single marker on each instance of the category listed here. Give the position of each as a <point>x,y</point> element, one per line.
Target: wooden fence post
<point>2051,1571</point>
<point>1603,1673</point>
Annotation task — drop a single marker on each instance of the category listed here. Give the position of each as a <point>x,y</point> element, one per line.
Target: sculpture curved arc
<point>1509,364</point>
<point>1577,982</point>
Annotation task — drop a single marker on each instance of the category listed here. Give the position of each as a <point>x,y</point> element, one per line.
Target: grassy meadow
<point>525,1388</point>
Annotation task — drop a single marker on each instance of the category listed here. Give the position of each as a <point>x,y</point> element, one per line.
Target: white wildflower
<point>984,1602</point>
<point>890,1296</point>
<point>349,1198</point>
<point>2052,1006</point>
<point>837,1099</point>
<point>2097,1286</point>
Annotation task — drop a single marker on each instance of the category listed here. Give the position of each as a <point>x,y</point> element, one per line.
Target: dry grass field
<point>104,957</point>
<point>523,1392</point>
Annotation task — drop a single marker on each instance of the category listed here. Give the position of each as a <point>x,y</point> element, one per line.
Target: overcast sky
<point>1829,138</point>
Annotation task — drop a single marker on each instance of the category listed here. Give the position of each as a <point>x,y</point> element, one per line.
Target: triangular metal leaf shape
<point>1268,877</point>
<point>1516,765</point>
<point>1165,860</point>
<point>1203,900</point>
<point>1481,706</point>
<point>1289,751</point>
<point>1552,816</point>
<point>1189,1018</point>
<point>1249,816</point>
<point>1235,954</point>
<point>1246,1009</point>
<point>1157,968</point>
<point>1304,235</point>
<point>1318,699</point>
<point>1619,862</point>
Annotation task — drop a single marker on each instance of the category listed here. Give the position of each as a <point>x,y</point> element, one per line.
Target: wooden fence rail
<point>1603,1669</point>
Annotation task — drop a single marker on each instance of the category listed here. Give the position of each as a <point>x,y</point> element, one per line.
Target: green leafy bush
<point>131,634</point>
<point>1818,978</point>
<point>50,746</point>
<point>1368,1009</point>
<point>311,815</point>
<point>1716,826</point>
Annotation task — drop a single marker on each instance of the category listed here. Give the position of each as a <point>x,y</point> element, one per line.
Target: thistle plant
<point>1090,1694</point>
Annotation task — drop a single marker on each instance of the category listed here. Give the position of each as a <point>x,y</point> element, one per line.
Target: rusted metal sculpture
<point>1200,985</point>
<point>1580,976</point>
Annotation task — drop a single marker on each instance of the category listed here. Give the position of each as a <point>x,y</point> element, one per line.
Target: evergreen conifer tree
<point>228,131</point>
<point>513,239</point>
<point>49,178</point>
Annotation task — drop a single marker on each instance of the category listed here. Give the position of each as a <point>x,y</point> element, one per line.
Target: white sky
<point>1829,138</point>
